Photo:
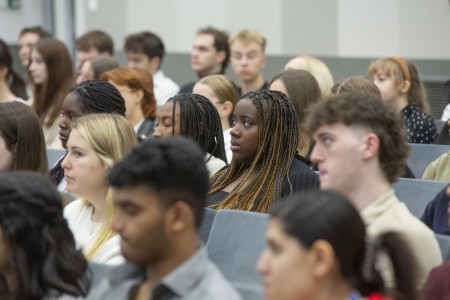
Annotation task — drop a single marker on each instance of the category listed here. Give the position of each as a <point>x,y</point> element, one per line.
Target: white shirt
<point>163,87</point>
<point>85,232</point>
<point>227,142</point>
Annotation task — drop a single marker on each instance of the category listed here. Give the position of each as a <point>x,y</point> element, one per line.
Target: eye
<point>327,140</point>
<point>233,121</point>
<point>247,123</point>
<point>77,153</point>
<point>274,247</point>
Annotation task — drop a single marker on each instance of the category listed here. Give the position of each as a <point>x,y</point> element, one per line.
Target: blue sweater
<point>436,213</point>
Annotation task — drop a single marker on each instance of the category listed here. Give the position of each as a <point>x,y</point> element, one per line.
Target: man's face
<point>205,60</point>
<point>26,43</point>
<point>138,60</point>
<point>84,55</point>
<point>338,153</point>
<point>248,60</point>
<point>140,220</point>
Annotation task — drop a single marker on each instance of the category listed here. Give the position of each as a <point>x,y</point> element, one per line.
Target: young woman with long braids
<point>90,97</point>
<point>264,169</point>
<point>318,249</point>
<point>195,117</point>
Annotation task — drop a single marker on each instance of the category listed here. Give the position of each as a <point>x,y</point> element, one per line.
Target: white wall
<point>12,21</point>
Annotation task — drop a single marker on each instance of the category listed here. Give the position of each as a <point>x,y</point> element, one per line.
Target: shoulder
<point>301,172</point>
<point>74,207</point>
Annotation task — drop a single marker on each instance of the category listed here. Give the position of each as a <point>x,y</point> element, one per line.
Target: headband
<point>403,66</point>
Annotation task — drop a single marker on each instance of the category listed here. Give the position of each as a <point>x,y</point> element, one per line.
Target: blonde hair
<point>111,136</point>
<point>401,70</point>
<point>249,36</point>
<point>321,73</point>
<point>223,87</point>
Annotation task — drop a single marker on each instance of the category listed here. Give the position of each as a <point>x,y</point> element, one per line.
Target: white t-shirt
<point>85,232</point>
<point>163,87</point>
<point>227,142</point>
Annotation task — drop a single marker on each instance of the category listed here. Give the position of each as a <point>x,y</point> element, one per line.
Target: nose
<point>130,64</point>
<point>315,156</point>
<point>117,223</point>
<point>157,133</point>
<point>65,164</point>
<point>234,132</point>
<point>262,264</point>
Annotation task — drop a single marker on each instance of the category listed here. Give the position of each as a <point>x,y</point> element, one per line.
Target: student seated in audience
<point>302,89</point>
<point>38,255</point>
<point>444,135</point>
<point>90,97</point>
<point>195,117</point>
<point>28,37</point>
<point>136,88</point>
<point>92,44</point>
<point>22,143</point>
<point>400,86</point>
<point>329,257</point>
<point>439,169</point>
<point>436,214</point>
<point>248,60</point>
<point>96,142</point>
<point>93,68</point>
<point>146,50</point>
<point>160,190</point>
<point>364,85</point>
<point>317,68</point>
<point>210,55</point>
<point>360,151</point>
<point>12,85</point>
<point>446,113</point>
<point>264,168</point>
<point>222,92</point>
<point>52,75</point>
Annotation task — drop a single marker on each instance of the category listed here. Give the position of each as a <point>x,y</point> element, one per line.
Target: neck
<point>5,92</point>
<point>136,117</point>
<point>372,186</point>
<point>214,70</point>
<point>98,202</point>
<point>253,85</point>
<point>225,124</point>
<point>333,289</point>
<point>183,247</point>
<point>400,103</point>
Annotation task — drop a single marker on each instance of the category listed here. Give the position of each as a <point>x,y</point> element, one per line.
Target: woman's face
<point>133,100</point>
<point>244,133</point>
<point>389,90</point>
<point>38,68</point>
<point>70,111</point>
<point>85,73</point>
<point>166,122</point>
<point>286,266</point>
<point>6,156</point>
<point>84,171</point>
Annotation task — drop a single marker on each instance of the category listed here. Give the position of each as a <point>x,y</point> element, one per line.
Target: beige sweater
<point>439,169</point>
<point>388,214</point>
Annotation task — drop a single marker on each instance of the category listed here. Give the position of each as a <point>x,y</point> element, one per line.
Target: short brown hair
<point>41,32</point>
<point>369,112</point>
<point>356,84</point>
<point>220,42</point>
<point>145,42</point>
<point>97,39</point>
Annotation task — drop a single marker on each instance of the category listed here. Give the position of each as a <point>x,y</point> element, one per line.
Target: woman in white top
<point>12,85</point>
<point>195,117</point>
<point>96,142</point>
<point>222,92</point>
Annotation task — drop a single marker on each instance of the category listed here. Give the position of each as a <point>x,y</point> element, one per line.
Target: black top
<point>300,178</point>
<point>419,126</point>
<point>264,87</point>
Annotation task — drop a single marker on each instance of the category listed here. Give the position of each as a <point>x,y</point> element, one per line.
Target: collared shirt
<point>195,279</point>
<point>163,87</point>
<point>388,214</point>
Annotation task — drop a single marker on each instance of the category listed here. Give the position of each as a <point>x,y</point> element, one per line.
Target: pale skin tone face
<point>85,73</point>
<point>166,122</point>
<point>85,172</point>
<point>139,60</point>
<point>26,43</point>
<point>391,92</point>
<point>84,55</point>
<point>205,59</point>
<point>133,100</point>
<point>223,107</point>
<point>38,68</point>
<point>248,61</point>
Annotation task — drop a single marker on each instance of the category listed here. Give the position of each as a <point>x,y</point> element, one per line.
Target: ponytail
<point>17,85</point>
<point>385,253</point>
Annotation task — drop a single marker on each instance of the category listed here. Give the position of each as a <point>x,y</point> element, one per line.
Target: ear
<point>322,258</point>
<point>155,62</point>
<point>139,95</point>
<point>404,88</point>
<point>179,217</point>
<point>371,146</point>
<point>226,109</point>
<point>3,71</point>
<point>220,56</point>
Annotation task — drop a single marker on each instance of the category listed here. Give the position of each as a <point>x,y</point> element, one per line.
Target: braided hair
<point>200,121</point>
<point>277,143</point>
<point>95,96</point>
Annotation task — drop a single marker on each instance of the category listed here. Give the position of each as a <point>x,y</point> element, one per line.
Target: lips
<point>234,146</point>
<point>69,179</point>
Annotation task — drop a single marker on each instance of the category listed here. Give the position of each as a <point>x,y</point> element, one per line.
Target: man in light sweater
<point>360,151</point>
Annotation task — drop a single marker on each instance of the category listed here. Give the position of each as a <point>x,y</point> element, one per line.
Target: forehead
<point>203,39</point>
<point>338,129</point>
<point>167,109</point>
<point>244,47</point>
<point>138,194</point>
<point>76,140</point>
<point>29,37</point>
<point>246,107</point>
<point>72,102</point>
